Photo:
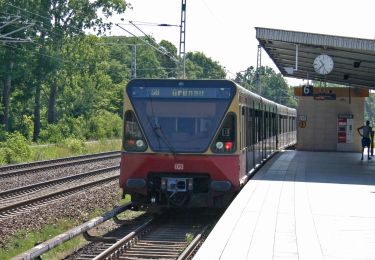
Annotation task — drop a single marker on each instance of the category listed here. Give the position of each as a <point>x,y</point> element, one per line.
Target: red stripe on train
<point>218,167</point>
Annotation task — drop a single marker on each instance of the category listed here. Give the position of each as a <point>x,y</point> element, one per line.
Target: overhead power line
<point>9,23</point>
<point>160,50</point>
<point>154,24</point>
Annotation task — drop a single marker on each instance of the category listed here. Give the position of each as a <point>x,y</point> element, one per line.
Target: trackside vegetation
<point>57,82</point>
<point>23,240</point>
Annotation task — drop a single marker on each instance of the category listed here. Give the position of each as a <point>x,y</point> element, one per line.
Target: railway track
<point>18,200</point>
<point>169,236</point>
<point>20,169</point>
<point>20,193</point>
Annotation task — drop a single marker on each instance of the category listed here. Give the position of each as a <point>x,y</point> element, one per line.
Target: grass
<point>25,240</point>
<point>189,237</point>
<point>47,152</point>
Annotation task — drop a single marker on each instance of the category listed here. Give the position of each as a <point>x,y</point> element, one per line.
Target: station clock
<point>323,64</point>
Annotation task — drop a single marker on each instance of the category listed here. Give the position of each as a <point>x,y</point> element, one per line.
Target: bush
<point>3,134</point>
<point>51,134</point>
<point>75,145</point>
<point>67,127</point>
<point>2,156</point>
<point>104,125</point>
<point>15,149</point>
<point>27,127</point>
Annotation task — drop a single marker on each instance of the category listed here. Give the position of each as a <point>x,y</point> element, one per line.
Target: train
<point>195,143</point>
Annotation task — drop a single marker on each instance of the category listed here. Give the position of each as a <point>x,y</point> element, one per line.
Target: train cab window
<point>225,141</point>
<point>133,137</point>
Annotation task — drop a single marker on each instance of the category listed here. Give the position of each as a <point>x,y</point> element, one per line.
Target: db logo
<point>178,166</point>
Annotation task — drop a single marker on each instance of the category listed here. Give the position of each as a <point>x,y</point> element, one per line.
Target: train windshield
<point>180,119</point>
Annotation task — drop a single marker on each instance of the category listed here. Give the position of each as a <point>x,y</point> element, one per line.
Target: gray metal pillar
<point>134,61</point>
<point>181,64</point>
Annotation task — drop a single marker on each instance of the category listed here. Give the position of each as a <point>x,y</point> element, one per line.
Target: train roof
<point>285,110</point>
<point>282,109</point>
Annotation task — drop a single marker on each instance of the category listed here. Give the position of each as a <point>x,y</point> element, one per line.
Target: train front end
<point>179,143</point>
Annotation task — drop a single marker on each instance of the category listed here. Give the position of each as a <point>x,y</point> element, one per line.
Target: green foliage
<point>3,157</point>
<point>15,149</point>
<point>104,125</point>
<point>370,109</point>
<point>27,126</point>
<point>65,128</point>
<point>268,84</point>
<point>203,67</point>
<point>47,152</point>
<point>24,240</point>
<point>3,134</point>
<point>75,145</point>
<point>189,237</point>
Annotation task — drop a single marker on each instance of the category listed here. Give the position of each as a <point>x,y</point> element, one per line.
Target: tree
<point>166,62</point>
<point>7,85</point>
<point>272,85</point>
<point>54,20</point>
<point>13,34</point>
<point>370,109</point>
<point>199,66</point>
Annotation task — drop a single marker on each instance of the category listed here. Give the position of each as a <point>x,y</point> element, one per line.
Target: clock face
<point>323,64</point>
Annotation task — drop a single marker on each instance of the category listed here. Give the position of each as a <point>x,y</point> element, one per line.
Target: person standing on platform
<point>366,140</point>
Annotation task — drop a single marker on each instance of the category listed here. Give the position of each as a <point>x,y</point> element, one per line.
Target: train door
<point>269,136</point>
<point>269,131</point>
<point>260,133</point>
<point>273,129</point>
<point>265,127</point>
<point>249,164</point>
<point>257,131</point>
<point>282,130</point>
<point>243,148</point>
<point>264,132</point>
<point>243,127</point>
<point>251,135</point>
<point>274,133</point>
<point>277,127</point>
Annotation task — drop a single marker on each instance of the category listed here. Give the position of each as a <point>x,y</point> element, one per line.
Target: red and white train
<point>194,143</point>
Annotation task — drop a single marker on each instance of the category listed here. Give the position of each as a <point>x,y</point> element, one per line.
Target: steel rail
<point>187,252</point>
<point>156,241</point>
<point>50,164</point>
<point>53,242</point>
<point>53,196</point>
<point>38,186</point>
<point>119,245</point>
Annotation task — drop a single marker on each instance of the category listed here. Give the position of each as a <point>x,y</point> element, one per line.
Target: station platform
<point>300,205</point>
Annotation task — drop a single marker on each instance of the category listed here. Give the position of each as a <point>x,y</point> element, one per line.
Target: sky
<point>225,30</point>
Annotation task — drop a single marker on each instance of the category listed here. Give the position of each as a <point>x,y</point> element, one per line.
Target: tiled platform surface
<point>300,205</point>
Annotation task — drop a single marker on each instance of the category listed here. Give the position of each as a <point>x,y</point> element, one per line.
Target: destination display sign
<point>180,93</point>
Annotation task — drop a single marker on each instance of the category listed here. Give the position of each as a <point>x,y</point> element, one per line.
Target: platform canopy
<point>294,54</point>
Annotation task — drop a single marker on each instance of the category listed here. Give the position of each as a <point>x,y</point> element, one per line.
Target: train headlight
<point>139,143</point>
<point>219,145</point>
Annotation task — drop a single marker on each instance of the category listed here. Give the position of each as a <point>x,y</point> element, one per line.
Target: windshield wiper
<point>156,128</point>
<point>161,136</point>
